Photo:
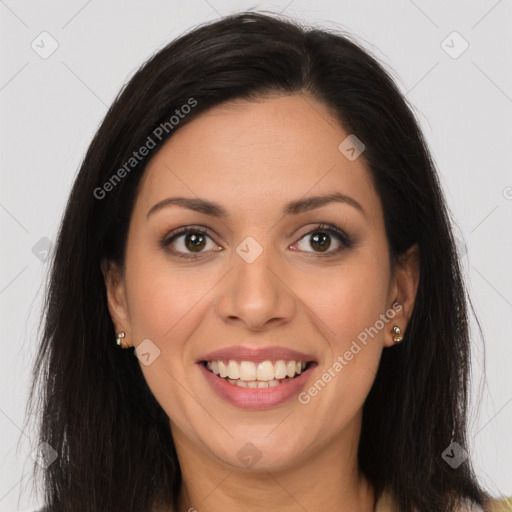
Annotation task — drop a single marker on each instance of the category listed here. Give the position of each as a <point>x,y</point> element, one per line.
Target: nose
<point>257,294</point>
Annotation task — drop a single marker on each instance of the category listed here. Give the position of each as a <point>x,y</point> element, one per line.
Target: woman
<point>257,220</point>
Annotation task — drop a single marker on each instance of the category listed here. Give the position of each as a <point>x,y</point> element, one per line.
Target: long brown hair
<point>114,445</point>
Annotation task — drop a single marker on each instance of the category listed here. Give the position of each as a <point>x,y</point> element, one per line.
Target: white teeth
<point>247,371</point>
<point>233,370</point>
<point>254,374</point>
<point>265,371</point>
<point>243,384</point>
<point>290,368</point>
<point>223,371</point>
<point>280,370</point>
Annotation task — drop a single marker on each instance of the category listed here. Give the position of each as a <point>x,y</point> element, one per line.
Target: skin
<point>253,158</point>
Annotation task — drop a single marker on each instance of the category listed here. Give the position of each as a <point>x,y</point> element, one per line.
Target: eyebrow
<point>292,208</point>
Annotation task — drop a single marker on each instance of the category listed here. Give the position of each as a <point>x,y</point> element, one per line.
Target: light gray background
<point>51,108</point>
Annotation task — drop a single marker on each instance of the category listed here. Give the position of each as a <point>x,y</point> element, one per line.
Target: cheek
<point>162,298</point>
<point>347,299</point>
<point>166,307</point>
<point>351,315</point>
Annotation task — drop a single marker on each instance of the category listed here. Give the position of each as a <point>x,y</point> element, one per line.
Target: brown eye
<point>194,241</point>
<point>321,240</point>
<point>187,242</point>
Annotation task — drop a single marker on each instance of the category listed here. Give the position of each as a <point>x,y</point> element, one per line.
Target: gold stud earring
<point>119,340</point>
<point>397,331</point>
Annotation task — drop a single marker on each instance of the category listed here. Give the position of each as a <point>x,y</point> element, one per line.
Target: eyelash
<point>340,235</point>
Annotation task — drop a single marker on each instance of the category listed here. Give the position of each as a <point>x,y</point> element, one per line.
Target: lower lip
<point>257,398</point>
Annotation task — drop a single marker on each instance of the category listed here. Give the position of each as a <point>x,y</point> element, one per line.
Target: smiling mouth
<point>265,374</point>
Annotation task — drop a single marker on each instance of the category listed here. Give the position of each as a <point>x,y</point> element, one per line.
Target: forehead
<point>255,153</point>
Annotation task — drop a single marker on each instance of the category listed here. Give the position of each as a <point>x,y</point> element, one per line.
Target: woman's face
<point>269,276</point>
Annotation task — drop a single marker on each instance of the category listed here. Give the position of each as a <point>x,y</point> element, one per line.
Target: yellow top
<point>501,505</point>
<point>386,503</point>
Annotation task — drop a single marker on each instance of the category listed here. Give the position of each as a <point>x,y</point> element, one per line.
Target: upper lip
<point>257,355</point>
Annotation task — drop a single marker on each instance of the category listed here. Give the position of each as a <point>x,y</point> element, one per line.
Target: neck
<point>324,478</point>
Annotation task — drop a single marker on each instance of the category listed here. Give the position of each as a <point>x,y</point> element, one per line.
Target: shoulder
<point>503,504</point>
<point>386,503</point>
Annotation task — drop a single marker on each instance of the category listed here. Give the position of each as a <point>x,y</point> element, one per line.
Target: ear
<point>116,298</point>
<point>403,289</point>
